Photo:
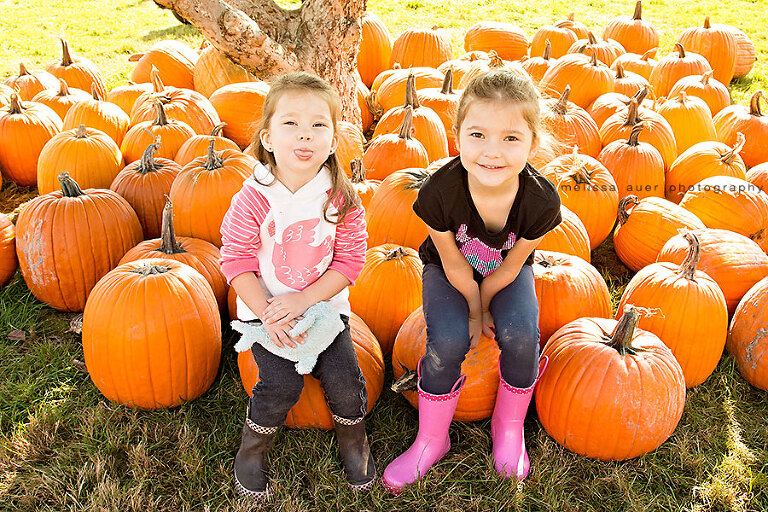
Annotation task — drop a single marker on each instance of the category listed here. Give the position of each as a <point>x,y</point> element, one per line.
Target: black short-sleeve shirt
<point>445,204</point>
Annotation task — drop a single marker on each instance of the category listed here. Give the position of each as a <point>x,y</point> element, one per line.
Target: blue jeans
<point>515,313</point>
<point>280,385</point>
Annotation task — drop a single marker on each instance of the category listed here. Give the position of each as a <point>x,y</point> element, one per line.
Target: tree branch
<point>270,15</point>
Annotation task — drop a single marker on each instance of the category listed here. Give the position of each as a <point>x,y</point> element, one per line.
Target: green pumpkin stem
<point>688,266</point>
<point>213,161</point>
<point>621,339</point>
<point>168,243</point>
<point>66,59</point>
<point>623,204</point>
<point>69,186</point>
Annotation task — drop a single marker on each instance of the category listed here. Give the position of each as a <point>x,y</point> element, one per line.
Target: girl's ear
<point>534,148</point>
<point>264,138</point>
<point>456,138</point>
<point>334,143</point>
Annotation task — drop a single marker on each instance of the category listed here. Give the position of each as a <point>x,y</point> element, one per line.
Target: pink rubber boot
<point>432,442</point>
<point>509,454</point>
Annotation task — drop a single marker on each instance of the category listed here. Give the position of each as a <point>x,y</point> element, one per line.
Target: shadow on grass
<point>174,32</point>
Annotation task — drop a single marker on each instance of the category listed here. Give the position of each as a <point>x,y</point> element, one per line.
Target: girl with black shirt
<point>486,211</point>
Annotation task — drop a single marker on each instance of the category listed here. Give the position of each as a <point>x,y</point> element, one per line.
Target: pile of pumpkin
<point>651,151</point>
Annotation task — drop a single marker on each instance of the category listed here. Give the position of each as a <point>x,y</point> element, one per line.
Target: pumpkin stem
<point>216,132</point>
<point>395,254</point>
<point>623,204</point>
<point>160,118</point>
<point>448,82</point>
<point>22,69</point>
<point>410,92</point>
<point>680,50</point>
<point>147,163</point>
<point>373,106</point>
<point>638,11</point>
<point>547,261</point>
<point>649,54</point>
<point>591,37</point>
<point>706,76</point>
<point>632,117</point>
<point>407,125</point>
<point>594,57</point>
<point>688,266</point>
<point>706,23</point>
<point>418,178</point>
<point>730,156</point>
<point>640,95</point>
<point>168,243</point>
<point>213,161</point>
<point>754,104</point>
<point>495,61</point>
<point>157,83</point>
<point>151,270</point>
<point>561,106</point>
<point>66,59</point>
<point>634,135</point>
<point>69,186</point>
<point>63,88</point>
<point>358,172</point>
<point>682,98</point>
<point>620,71</point>
<point>547,50</point>
<point>95,92</point>
<point>16,106</point>
<point>82,132</point>
<point>621,340</point>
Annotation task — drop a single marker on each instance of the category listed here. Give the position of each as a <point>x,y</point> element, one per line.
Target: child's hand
<point>279,334</point>
<point>489,328</point>
<point>284,308</point>
<point>475,330</point>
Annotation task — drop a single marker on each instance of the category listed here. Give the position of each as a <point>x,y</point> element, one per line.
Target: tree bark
<point>321,37</point>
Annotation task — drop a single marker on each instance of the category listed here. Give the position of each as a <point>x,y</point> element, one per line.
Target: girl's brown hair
<point>299,81</point>
<point>507,86</point>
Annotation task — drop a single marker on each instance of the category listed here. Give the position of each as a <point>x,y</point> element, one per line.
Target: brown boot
<point>355,453</point>
<point>250,461</point>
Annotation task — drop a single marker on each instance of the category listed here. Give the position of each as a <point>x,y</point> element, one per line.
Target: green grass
<point>64,447</point>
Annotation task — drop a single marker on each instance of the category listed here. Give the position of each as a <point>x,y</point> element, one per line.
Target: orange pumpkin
<point>28,83</point>
<point>610,399</point>
<point>494,62</point>
<point>610,103</point>
<point>627,82</point>
<point>173,133</point>
<point>690,119</point>
<point>366,102</point>
<point>714,43</point>
<point>350,146</point>
<point>389,152</point>
<point>578,28</point>
<point>25,128</point>
<point>674,66</point>
<point>749,121</point>
<point>714,93</point>
<point>689,313</point>
<point>568,237</point>
<point>311,411</point>
<point>558,276</point>
<point>536,67</point>
<point>506,39</point>
<point>390,216</point>
<point>636,166</point>
<point>606,50</point>
<point>634,34</point>
<point>78,71</point>
<point>641,64</point>
<point>745,51</point>
<point>746,336</point>
<point>758,175</point>
<point>174,60</point>
<point>99,114</point>
<point>570,125</point>
<point>240,106</point>
<point>152,334</point>
<point>645,226</point>
<point>145,184</point>
<point>365,188</point>
<point>421,47</point>
<point>125,96</point>
<point>214,70</point>
<point>203,190</point>
<point>588,78</point>
<point>392,92</point>
<point>198,145</point>
<point>559,36</point>
<point>60,101</point>
<point>480,366</point>
<point>445,103</point>
<point>90,156</point>
<point>375,48</point>
<point>8,261</point>
<point>99,227</point>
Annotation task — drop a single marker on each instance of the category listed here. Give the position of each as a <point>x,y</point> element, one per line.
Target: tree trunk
<point>321,37</point>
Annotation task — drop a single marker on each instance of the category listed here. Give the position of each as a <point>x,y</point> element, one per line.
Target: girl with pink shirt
<point>294,236</point>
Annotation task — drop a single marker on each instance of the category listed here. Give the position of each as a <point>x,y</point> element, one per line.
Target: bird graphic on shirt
<point>295,260</point>
<point>483,258</point>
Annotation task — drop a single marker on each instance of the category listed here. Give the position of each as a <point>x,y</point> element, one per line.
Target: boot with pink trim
<point>432,442</point>
<point>509,454</point>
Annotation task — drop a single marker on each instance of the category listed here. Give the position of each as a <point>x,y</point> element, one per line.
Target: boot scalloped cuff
<point>347,422</point>
<point>257,496</point>
<point>259,429</point>
<point>543,362</point>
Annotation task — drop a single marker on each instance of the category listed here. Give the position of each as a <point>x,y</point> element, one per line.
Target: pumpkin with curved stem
<point>724,202</point>
<point>144,184</point>
<point>67,240</point>
<point>636,166</point>
<point>389,152</point>
<point>214,70</point>
<point>173,133</point>
<point>390,270</point>
<point>392,91</point>
<point>570,125</point>
<point>714,43</point>
<point>174,60</point>
<point>480,366</point>
<point>152,334</point>
<point>25,128</point>
<point>674,66</point>
<point>612,102</point>
<point>568,237</point>
<point>641,64</point>
<point>559,36</point>
<point>8,261</point>
<point>78,71</point>
<point>714,93</point>
<point>28,83</point>
<point>751,122</point>
<point>588,78</point>
<point>311,411</point>
<point>198,145</point>
<point>99,114</point>
<point>375,48</point>
<point>606,50</point>
<point>689,311</point>
<point>91,157</point>
<point>559,275</point>
<point>390,217</point>
<point>365,188</point>
<point>538,66</point>
<point>200,255</point>
<point>746,336</point>
<point>445,103</point>
<point>62,100</point>
<point>506,39</point>
<point>627,82</point>
<point>626,402</point>
<point>587,188</point>
<point>125,96</point>
<point>240,106</point>
<point>458,67</point>
<point>645,225</point>
<point>734,261</point>
<point>421,47</point>
<point>701,161</point>
<point>633,33</point>
<point>203,190</point>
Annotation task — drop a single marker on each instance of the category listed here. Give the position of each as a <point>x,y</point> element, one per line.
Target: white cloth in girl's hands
<point>322,324</point>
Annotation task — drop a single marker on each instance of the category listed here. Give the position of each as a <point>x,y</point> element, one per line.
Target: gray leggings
<point>515,313</point>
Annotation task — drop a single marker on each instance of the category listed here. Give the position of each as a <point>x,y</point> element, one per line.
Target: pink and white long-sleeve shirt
<point>282,237</point>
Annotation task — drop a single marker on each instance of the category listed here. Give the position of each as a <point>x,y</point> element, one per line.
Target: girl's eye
<point>320,125</point>
<point>476,134</point>
<point>512,138</point>
<point>291,123</point>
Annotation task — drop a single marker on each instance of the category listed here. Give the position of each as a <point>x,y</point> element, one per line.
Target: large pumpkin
<point>62,100</point>
<point>99,114</point>
<point>67,240</point>
<point>674,66</point>
<point>568,237</point>
<point>29,83</point>
<point>588,77</point>
<point>751,122</point>
<point>570,125</point>
<point>375,48</point>
<point>240,106</point>
<point>174,60</point>
<point>715,94</point>
<point>78,71</point>
<point>391,152</point>
<point>152,334</point>
<point>747,339</point>
<point>387,290</point>
<point>172,133</point>
<point>507,40</point>
<point>480,366</point>
<point>637,167</point>
<point>421,47</point>
<point>716,44</point>
<point>311,411</point>
<point>634,34</point>
<point>610,391</point>
<point>8,262</point>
